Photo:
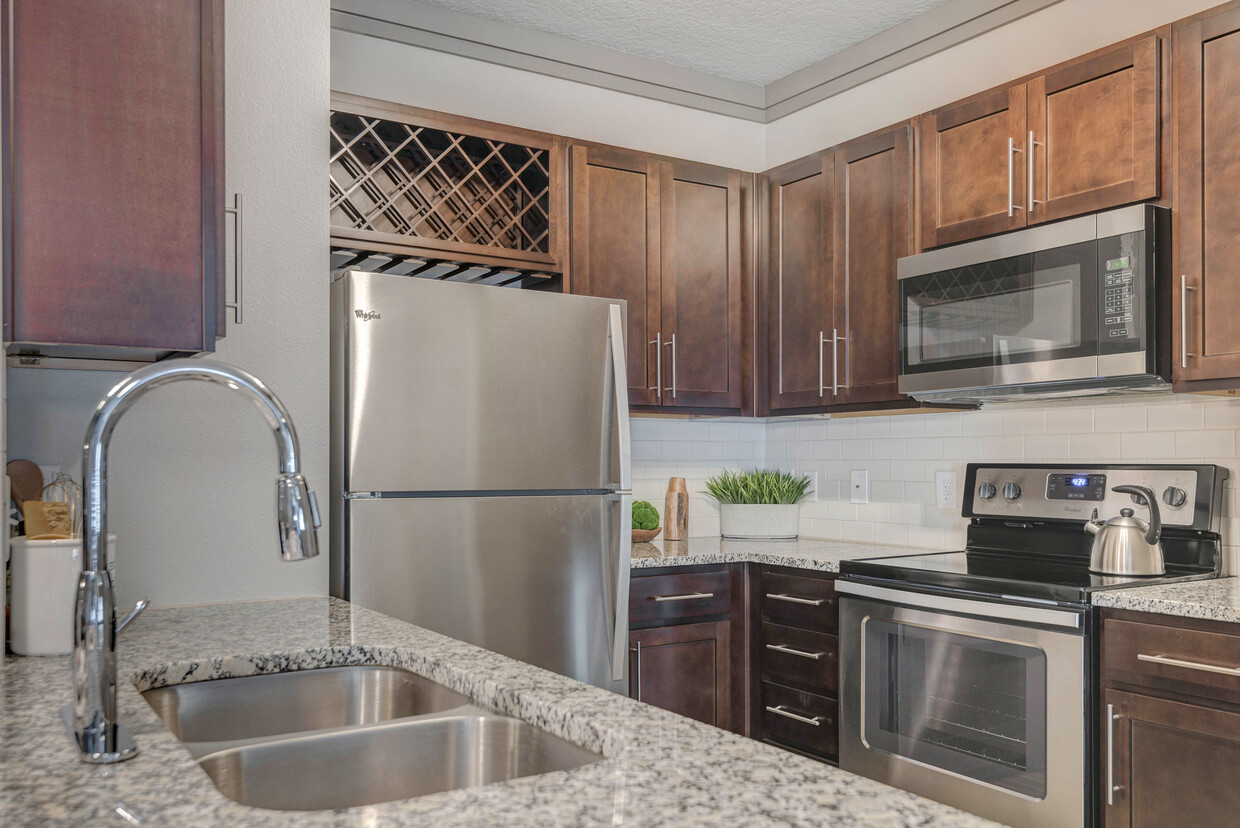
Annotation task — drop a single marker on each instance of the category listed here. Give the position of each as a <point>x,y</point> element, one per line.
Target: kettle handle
<point>1155,530</point>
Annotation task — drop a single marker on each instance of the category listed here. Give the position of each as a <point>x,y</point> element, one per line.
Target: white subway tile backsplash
<point>1148,445</point>
<point>873,427</point>
<point>943,424</point>
<point>1023,421</point>
<point>1222,414</point>
<point>1094,447</point>
<point>1069,420</point>
<point>1047,448</point>
<point>1211,446</point>
<point>1178,416</point>
<point>929,448</point>
<point>890,448</point>
<point>981,423</point>
<point>1114,418</point>
<point>907,425</point>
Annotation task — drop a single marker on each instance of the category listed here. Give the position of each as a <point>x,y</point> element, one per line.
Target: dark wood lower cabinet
<point>1170,721</point>
<point>684,668</point>
<point>687,643</point>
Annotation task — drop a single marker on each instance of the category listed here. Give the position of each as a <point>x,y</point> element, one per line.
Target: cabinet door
<point>799,292</point>
<point>1093,133</point>
<point>971,167</point>
<point>113,117</point>
<point>615,250</point>
<point>1206,91</point>
<point>1167,763</point>
<point>873,228</point>
<point>701,281</point>
<point>684,669</point>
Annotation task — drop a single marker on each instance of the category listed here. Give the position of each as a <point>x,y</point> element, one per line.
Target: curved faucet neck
<point>118,401</point>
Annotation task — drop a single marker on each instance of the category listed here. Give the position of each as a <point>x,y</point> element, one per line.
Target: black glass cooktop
<point>1002,574</point>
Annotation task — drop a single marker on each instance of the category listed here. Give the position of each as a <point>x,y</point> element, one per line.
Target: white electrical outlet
<point>859,486</point>
<point>945,489</point>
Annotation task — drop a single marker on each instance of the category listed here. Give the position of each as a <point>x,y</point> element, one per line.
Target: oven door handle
<point>964,606</point>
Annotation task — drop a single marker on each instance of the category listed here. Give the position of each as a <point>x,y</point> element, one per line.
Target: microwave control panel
<point>1118,295</point>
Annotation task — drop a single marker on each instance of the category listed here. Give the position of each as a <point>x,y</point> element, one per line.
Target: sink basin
<point>228,710</point>
<point>392,761</point>
<point>340,737</point>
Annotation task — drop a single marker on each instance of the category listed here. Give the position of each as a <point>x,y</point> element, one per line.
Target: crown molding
<point>445,30</point>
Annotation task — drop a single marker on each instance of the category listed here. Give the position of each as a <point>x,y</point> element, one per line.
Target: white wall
<point>414,76</point>
<point>193,467</point>
<point>1057,33</point>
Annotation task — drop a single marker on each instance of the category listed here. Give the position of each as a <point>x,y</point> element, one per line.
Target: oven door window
<point>975,707</point>
<point>1029,308</point>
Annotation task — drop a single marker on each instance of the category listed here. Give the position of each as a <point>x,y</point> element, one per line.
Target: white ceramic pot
<point>745,521</point>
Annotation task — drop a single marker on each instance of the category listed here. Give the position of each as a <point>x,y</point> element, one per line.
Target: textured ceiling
<point>757,41</point>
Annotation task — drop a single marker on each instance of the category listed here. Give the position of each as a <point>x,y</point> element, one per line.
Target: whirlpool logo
<point>366,316</point>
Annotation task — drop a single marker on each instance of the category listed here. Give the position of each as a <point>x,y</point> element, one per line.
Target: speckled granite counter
<point>661,769</point>
<point>1217,600</point>
<point>803,553</point>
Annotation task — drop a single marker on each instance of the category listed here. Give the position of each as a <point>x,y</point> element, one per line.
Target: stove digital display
<point>1076,487</point>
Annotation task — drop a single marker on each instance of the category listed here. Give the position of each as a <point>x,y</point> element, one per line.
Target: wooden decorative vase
<point>676,510</point>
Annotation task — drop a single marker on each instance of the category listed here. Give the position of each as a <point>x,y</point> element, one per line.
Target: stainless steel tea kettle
<point>1127,545</point>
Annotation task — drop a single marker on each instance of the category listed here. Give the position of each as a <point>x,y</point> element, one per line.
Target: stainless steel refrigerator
<point>480,467</point>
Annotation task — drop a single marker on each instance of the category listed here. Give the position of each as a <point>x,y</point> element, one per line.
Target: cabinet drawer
<point>809,603</point>
<point>1175,659</point>
<point>680,595</point>
<point>789,717</point>
<point>801,657</point>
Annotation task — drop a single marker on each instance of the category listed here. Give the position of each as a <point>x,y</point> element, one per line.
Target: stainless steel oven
<point>978,704</point>
<point>1065,308</point>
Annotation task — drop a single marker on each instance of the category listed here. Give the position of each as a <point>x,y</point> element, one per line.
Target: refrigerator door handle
<point>623,529</point>
<point>620,378</point>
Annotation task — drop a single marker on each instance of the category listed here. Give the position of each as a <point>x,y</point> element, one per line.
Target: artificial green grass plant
<point>760,486</point>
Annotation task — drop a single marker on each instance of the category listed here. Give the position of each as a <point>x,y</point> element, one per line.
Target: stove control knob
<point>986,491</point>
<point>1173,497</point>
<point>1011,491</point>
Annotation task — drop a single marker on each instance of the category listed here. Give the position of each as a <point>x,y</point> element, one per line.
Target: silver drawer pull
<point>691,596</point>
<point>792,599</point>
<point>780,710</point>
<point>782,649</point>
<point>1189,665</point>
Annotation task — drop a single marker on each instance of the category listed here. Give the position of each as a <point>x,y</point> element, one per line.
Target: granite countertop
<point>803,553</point>
<point>661,769</point>
<point>1216,600</point>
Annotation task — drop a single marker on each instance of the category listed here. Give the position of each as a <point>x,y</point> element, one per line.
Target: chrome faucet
<point>100,737</point>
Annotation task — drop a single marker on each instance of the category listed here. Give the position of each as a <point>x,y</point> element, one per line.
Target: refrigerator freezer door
<point>540,579</point>
<point>457,388</point>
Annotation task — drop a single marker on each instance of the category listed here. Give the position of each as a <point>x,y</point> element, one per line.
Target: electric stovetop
<point>1026,538</point>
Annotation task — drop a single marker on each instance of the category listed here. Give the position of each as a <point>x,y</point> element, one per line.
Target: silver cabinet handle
<point>1189,665</point>
<point>637,669</point>
<point>1111,786</point>
<point>780,710</point>
<point>689,596</point>
<point>792,599</point>
<point>238,261</point>
<point>672,345</point>
<point>1012,205</point>
<point>836,339</point>
<point>1032,143</point>
<point>822,343</point>
<point>1185,288</point>
<point>657,388</point>
<point>780,648</point>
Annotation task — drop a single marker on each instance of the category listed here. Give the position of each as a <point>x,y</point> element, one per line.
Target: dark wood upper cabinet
<point>665,235</point>
<point>1206,95</point>
<point>800,300</point>
<point>873,228</point>
<point>838,222</point>
<point>1094,129</point>
<point>701,279</point>
<point>1082,137</point>
<point>113,193</point>
<point>616,249</point>
<point>971,167</point>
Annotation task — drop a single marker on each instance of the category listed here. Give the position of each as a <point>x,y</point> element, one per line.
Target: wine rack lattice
<point>426,184</point>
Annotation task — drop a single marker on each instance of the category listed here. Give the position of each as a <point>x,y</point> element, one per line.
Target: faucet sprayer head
<point>297,513</point>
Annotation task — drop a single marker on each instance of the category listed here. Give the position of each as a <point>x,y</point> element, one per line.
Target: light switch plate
<point>859,486</point>
<point>945,489</point>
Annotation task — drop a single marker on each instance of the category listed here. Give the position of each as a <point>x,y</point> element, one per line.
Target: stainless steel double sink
<point>341,737</point>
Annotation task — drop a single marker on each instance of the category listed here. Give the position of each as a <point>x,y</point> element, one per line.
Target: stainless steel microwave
<point>1064,309</point>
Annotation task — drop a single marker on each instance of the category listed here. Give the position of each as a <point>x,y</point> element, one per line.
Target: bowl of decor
<point>645,522</point>
<point>760,504</point>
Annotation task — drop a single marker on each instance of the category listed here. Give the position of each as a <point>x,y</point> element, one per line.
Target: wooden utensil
<point>26,482</point>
